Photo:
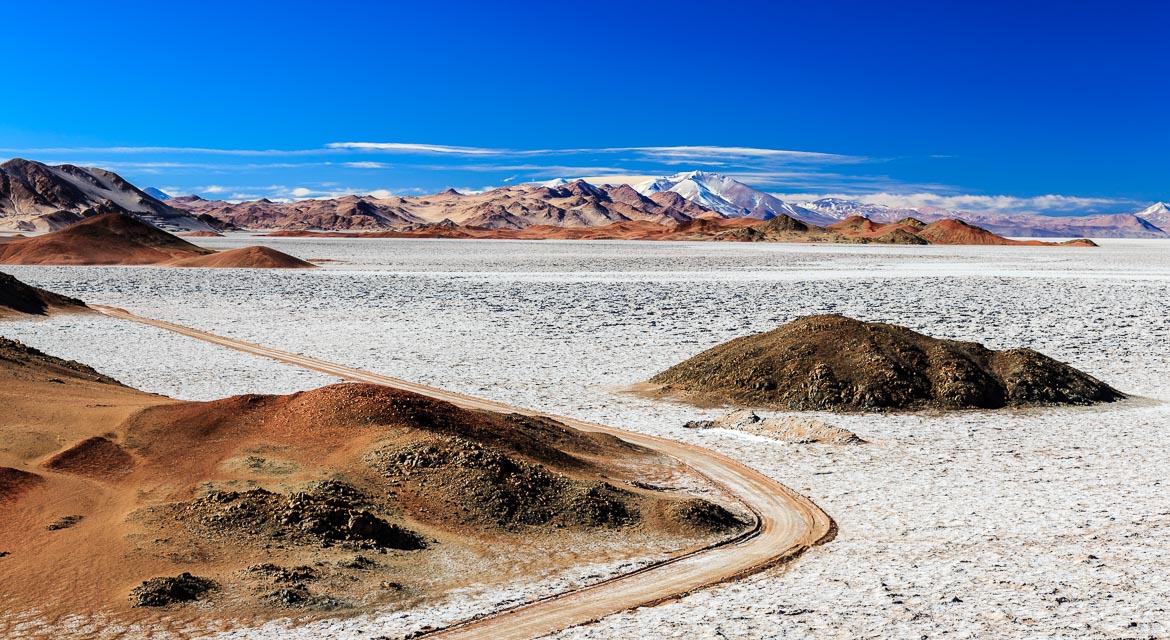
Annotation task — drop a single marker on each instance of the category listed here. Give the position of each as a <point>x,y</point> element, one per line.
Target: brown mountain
<point>107,239</point>
<point>116,239</point>
<point>39,197</point>
<point>576,204</point>
<point>834,363</point>
<point>244,258</point>
<point>18,297</point>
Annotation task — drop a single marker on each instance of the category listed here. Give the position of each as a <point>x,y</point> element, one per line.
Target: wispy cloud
<point>728,153</point>
<point>1051,203</point>
<point>159,150</point>
<point>671,153</point>
<point>409,147</point>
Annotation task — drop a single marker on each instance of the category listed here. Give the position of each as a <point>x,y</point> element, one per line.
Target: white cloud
<point>162,150</point>
<point>367,165</point>
<point>618,179</point>
<point>709,152</point>
<point>408,147</point>
<point>674,154</point>
<point>974,203</point>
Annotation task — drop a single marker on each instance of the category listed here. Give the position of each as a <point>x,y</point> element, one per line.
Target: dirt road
<point>787,523</point>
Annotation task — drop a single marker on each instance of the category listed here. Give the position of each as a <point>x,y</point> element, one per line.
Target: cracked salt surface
<point>1039,523</point>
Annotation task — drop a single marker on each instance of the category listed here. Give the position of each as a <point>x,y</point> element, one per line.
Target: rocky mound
<point>834,363</point>
<point>271,499</point>
<point>702,515</point>
<point>452,467</point>
<point>110,239</point>
<point>326,513</point>
<point>97,457</point>
<point>160,592</point>
<point>483,485</point>
<point>245,258</point>
<point>14,482</point>
<point>18,297</point>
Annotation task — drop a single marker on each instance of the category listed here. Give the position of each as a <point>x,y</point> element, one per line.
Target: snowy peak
<point>1157,214</point>
<point>729,197</point>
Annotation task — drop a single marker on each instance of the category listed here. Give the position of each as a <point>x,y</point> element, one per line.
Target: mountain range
<point>1025,225</point>
<point>731,198</point>
<point>39,197</point>
<point>573,204</point>
<point>735,199</point>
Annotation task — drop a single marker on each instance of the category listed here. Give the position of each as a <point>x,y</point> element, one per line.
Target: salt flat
<point>1052,523</point>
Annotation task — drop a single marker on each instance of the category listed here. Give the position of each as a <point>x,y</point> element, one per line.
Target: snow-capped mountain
<point>1157,214</point>
<point>840,209</point>
<point>729,197</point>
<point>1007,223</point>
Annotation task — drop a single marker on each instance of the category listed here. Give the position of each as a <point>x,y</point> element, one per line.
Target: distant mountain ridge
<point>38,197</point>
<point>734,199</point>
<point>573,204</point>
<point>1026,225</point>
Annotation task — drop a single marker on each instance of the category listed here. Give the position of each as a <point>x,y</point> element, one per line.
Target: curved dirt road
<point>787,523</point>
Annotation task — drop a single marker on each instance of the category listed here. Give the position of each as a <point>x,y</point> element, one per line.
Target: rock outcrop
<point>834,363</point>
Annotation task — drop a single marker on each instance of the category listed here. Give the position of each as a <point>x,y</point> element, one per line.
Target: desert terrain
<point>178,517</point>
<point>938,522</point>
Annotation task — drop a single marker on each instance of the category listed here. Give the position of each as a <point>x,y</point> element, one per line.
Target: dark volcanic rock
<point>833,363</point>
<point>160,592</point>
<point>64,522</point>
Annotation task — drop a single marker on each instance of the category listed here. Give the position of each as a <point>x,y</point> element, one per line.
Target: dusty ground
<point>335,502</point>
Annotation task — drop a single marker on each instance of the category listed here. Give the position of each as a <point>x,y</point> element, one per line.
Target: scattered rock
<point>299,597</point>
<point>64,522</point>
<point>328,513</point>
<point>160,592</point>
<point>279,574</point>
<point>357,562</point>
<point>793,429</point>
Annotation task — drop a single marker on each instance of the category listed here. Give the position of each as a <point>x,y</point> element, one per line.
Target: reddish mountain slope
<point>108,239</point>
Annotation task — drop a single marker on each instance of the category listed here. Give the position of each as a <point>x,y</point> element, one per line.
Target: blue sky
<point>1040,106</point>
